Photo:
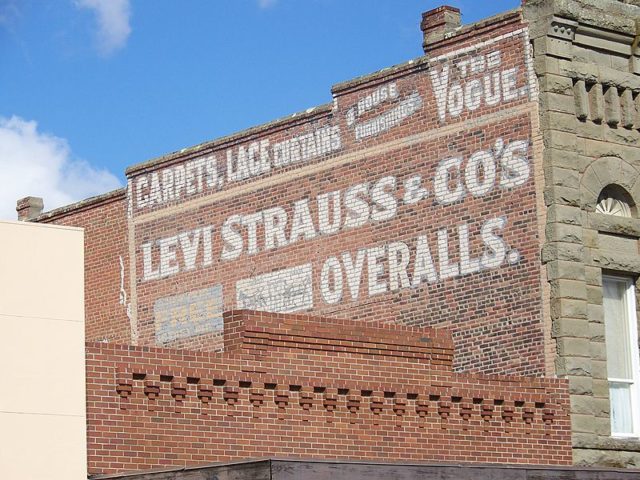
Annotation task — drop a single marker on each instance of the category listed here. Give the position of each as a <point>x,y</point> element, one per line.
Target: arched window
<point>614,200</point>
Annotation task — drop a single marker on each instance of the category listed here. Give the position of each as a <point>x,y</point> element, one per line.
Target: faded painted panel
<point>287,290</point>
<point>188,314</point>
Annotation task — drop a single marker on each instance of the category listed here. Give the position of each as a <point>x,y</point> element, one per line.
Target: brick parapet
<point>56,215</point>
<point>151,407</point>
<point>261,333</point>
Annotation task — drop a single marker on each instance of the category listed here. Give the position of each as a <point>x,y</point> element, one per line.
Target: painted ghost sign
<point>411,198</point>
<point>287,290</point>
<point>500,166</point>
<point>188,314</point>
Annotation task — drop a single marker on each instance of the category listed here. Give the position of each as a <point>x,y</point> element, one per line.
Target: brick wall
<point>412,198</point>
<point>315,393</point>
<point>105,238</point>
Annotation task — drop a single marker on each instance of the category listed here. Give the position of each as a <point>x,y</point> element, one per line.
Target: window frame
<point>631,313</point>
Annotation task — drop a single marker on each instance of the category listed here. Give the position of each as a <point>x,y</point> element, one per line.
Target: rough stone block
<point>608,457</point>
<point>581,405</point>
<point>562,177</point>
<point>555,84</point>
<point>612,106</point>
<point>582,423</point>
<point>591,130</point>
<point>555,102</point>
<point>561,232</point>
<point>595,313</point>
<point>570,327</point>
<point>590,238</point>
<point>581,100</point>
<point>596,332</point>
<point>600,388</point>
<point>570,346</point>
<point>554,47</point>
<point>563,308</point>
<point>564,269</point>
<point>569,289</point>
<point>628,108</point>
<point>564,214</point>
<point>621,136</point>
<point>573,366</point>
<point>617,261</point>
<point>596,103</point>
<point>565,122</point>
<point>563,196</point>
<point>593,276</point>
<point>580,385</point>
<point>560,140</point>
<point>562,251</point>
<point>600,407</point>
<point>603,424</point>
<point>599,369</point>
<point>597,348</point>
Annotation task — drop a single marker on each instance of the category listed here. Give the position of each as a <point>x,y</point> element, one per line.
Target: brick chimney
<point>29,207</point>
<point>437,23</point>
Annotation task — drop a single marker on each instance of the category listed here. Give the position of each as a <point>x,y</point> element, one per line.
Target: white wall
<point>42,385</point>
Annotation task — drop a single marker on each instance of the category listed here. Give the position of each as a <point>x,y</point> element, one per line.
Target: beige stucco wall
<point>42,391</point>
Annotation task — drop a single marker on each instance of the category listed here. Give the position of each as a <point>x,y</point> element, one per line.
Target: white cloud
<point>9,12</point>
<point>266,3</point>
<point>39,164</point>
<point>113,22</point>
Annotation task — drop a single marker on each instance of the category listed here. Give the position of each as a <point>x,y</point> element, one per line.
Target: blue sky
<point>89,87</point>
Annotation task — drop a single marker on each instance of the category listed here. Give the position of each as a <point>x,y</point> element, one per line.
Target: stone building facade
<point>487,188</point>
<point>587,67</point>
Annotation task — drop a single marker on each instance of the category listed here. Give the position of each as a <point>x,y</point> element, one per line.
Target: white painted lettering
<point>356,206</point>
<point>467,263</point>
<point>331,281</point>
<point>302,224</point>
<point>496,249</point>
<point>251,221</point>
<point>142,198</point>
<point>384,199</point>
<point>231,238</point>
<point>168,258</point>
<point>354,271</point>
<point>477,184</point>
<point>189,248</point>
<point>375,270</point>
<point>413,190</point>
<point>514,163</point>
<point>275,221</point>
<point>441,188</point>
<point>398,263</point>
<point>423,267</point>
<point>148,271</point>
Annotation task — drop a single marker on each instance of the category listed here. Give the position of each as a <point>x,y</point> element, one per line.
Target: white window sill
<point>626,436</point>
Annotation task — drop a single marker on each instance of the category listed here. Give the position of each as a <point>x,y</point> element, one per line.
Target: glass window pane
<point>617,334</point>
<point>621,419</point>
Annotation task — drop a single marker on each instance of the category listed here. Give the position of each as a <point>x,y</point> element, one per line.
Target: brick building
<point>487,189</point>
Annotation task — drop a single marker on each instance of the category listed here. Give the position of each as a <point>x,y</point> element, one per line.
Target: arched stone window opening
<point>614,200</point>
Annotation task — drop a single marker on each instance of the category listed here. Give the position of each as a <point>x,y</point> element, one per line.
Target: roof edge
<point>59,212</point>
<point>294,119</point>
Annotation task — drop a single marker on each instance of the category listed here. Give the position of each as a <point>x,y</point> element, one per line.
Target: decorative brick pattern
<point>151,407</point>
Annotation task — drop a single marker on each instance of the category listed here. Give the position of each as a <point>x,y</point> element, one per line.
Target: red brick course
<point>151,407</point>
